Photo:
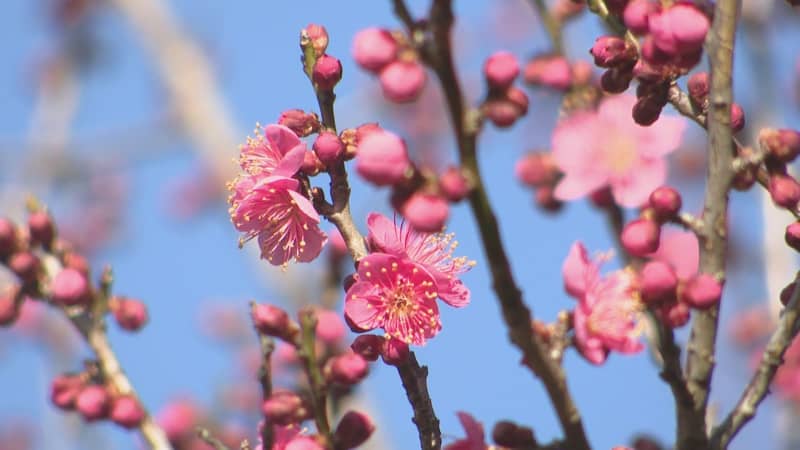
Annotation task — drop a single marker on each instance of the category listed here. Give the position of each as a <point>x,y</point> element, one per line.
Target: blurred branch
<point>316,382</point>
<point>267,345</point>
<point>206,437</point>
<point>551,24</point>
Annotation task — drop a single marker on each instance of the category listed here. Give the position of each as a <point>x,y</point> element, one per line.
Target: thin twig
<point>758,387</point>
<point>267,345</point>
<point>306,350</point>
<point>414,378</point>
<point>209,439</point>
<point>551,24</point>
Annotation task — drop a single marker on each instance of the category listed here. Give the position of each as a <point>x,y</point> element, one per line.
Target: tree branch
<point>414,380</point>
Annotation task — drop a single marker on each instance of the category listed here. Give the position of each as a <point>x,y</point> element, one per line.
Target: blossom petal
<point>383,235</point>
<point>451,290</point>
<point>634,188</point>
<point>281,138</point>
<point>576,185</point>
<point>291,162</point>
<point>575,269</point>
<point>662,137</point>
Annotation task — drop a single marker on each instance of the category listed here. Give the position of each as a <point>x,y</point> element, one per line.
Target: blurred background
<point>124,116</point>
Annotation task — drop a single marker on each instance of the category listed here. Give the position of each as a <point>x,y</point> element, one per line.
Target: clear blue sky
<point>178,266</point>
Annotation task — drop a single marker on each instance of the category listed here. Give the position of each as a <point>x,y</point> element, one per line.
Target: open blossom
<point>475,439</point>
<point>609,311</point>
<point>607,148</point>
<point>285,222</point>
<point>394,294</point>
<point>433,251</point>
<point>277,152</point>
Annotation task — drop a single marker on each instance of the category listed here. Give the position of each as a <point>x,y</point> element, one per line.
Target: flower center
<point>619,153</point>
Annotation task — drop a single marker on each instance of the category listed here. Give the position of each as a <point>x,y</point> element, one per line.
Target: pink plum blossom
<point>394,294</point>
<point>433,251</point>
<point>606,147</point>
<point>681,250</point>
<point>285,222</point>
<point>475,439</point>
<point>608,313</point>
<point>277,152</point>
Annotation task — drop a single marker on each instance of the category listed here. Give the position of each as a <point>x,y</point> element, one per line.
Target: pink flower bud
<point>698,86</point>
<point>582,71</point>
<point>330,327</point>
<point>273,321</point>
<point>382,158</point>
<point>78,262</point>
<point>616,80</point>
<point>536,169</point>
<point>551,71</point>
<point>394,352</point>
<point>508,434</point>
<point>602,198</point>
<point>327,72</point>
<point>646,111</point>
<point>502,112</point>
<point>311,164</point>
<point>679,29</point>
<point>673,314</point>
<point>636,15</point>
<point>178,419</point>
<point>403,81</point>
<point>644,71</point>
<point>25,265</point>
<point>783,145</point>
<point>9,307</point>
<point>126,411</point>
<point>65,389</point>
<point>93,402</point>
<point>546,200</point>
<point>70,288</point>
<point>653,55</point>
<point>346,369</point>
<point>666,202</point>
<point>787,292</point>
<point>702,291</point>
<point>792,236</point>
<point>784,190</point>
<point>657,282</point>
<point>500,70</point>
<point>453,184</point>
<point>284,408</point>
<point>426,212</point>
<point>302,123</point>
<point>641,237</point>
<point>328,147</point>
<point>41,228</point>
<point>519,98</point>
<point>612,51</point>
<point>318,36</point>
<point>737,117</point>
<point>8,238</point>
<point>353,430</point>
<point>368,346</point>
<point>374,49</point>
<point>131,315</point>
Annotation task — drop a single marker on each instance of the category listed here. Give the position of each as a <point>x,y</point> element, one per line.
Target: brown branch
<point>758,388</point>
<point>438,54</point>
<point>402,12</point>
<point>713,249</point>
<point>551,24</point>
<point>414,378</point>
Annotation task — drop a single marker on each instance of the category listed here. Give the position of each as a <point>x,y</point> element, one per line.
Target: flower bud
<point>70,288</point>
<point>702,291</point>
<point>500,70</point>
<point>374,49</point>
<point>602,198</point>
<point>508,434</point>
<point>353,430</point>
<point>425,212</point>
<point>502,112</point>
<point>73,260</point>
<point>368,346</point>
<point>616,80</point>
<point>636,15</point>
<point>641,237</point>
<point>612,51</point>
<point>9,306</point>
<point>65,389</point>
<point>646,111</point>
<point>302,123</point>
<point>792,236</point>
<point>673,314</point>
<point>178,419</point>
<point>698,86</point>
<point>273,321</point>
<point>25,265</point>
<point>328,147</point>
<point>330,328</point>
<point>787,292</point>
<point>519,98</point>
<point>453,184</point>
<point>582,72</point>
<point>93,402</point>
<point>285,408</point>
<point>784,190</point>
<point>318,36</point>
<point>131,315</point>
<point>403,81</point>
<point>126,411</point>
<point>737,117</point>
<point>311,164</point>
<point>41,229</point>
<point>666,202</point>
<point>8,238</point>
<point>657,282</point>
<point>394,352</point>
<point>783,145</point>
<point>346,369</point>
<point>551,71</point>
<point>679,29</point>
<point>327,72</point>
<point>644,71</point>
<point>382,158</point>
<point>536,169</point>
<point>546,200</point>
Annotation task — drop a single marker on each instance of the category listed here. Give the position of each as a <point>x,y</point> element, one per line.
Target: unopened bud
<point>346,369</point>
<point>93,402</point>
<point>551,71</point>
<point>374,49</point>
<point>273,321</point>
<point>41,229</point>
<point>784,190</point>
<point>302,123</point>
<point>787,292</point>
<point>353,430</point>
<point>657,282</point>
<point>666,202</point>
<point>698,86</point>
<point>426,212</point>
<point>318,36</point>
<point>536,169</point>
<point>783,145</point>
<point>65,389</point>
<point>673,314</point>
<point>453,184</point>
<point>25,265</point>
<point>327,72</point>
<point>131,314</point>
<point>8,238</point>
<point>702,291</point>
<point>284,408</point>
<point>616,80</point>
<point>500,70</point>
<point>641,237</point>
<point>394,352</point>
<point>403,81</point>
<point>369,346</point>
<point>126,411</point>
<point>382,158</point>
<point>328,147</point>
<point>71,288</point>
<point>612,51</point>
<point>792,236</point>
<point>9,306</point>
<point>508,434</point>
<point>646,111</point>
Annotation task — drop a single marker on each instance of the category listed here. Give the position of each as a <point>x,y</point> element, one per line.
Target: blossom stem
<point>267,345</point>
<point>319,393</point>
<point>414,378</point>
<point>515,313</point>
<point>209,439</point>
<point>713,240</point>
<point>551,24</point>
<point>758,387</point>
